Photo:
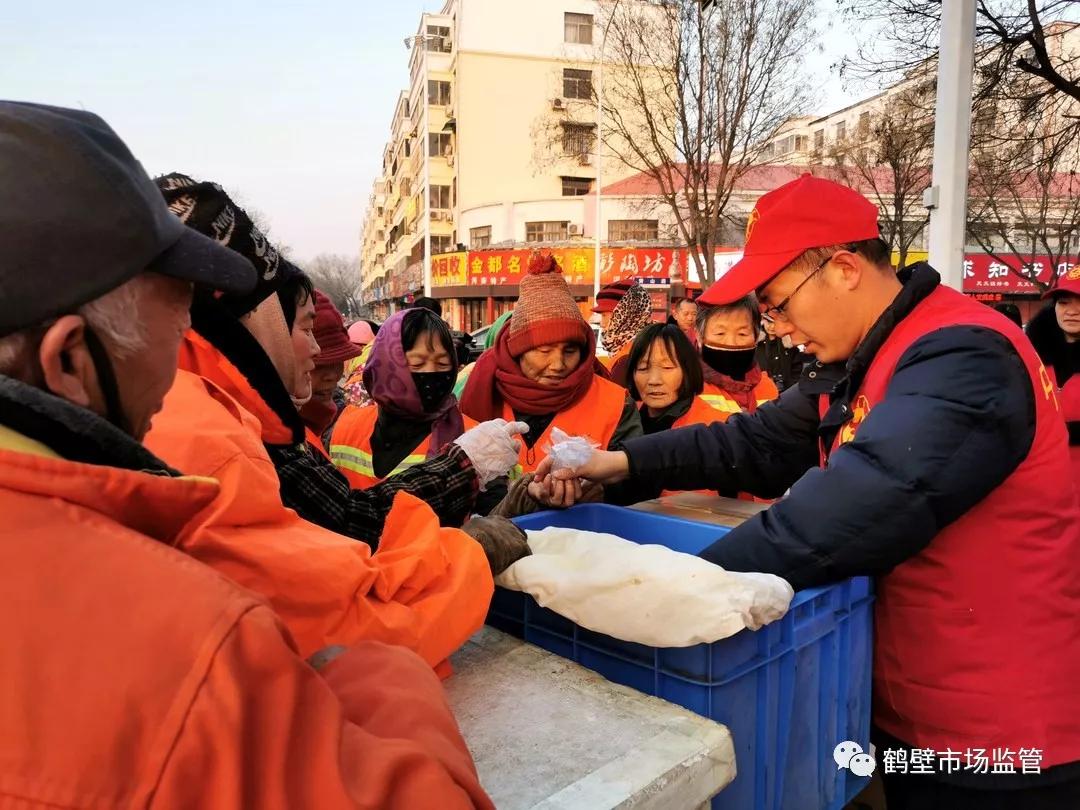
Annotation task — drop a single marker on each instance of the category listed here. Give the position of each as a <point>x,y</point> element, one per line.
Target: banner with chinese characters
<point>985,273</point>
<point>449,269</point>
<point>506,267</point>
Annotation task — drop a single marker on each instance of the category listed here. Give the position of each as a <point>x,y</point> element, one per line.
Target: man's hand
<point>564,488</point>
<point>502,541</point>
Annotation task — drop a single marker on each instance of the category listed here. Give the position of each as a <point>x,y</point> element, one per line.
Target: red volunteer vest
<point>700,413</point>
<point>978,636</point>
<point>350,447</point>
<point>595,415</point>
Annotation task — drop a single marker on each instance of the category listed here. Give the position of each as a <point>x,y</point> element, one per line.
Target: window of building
<point>915,230</point>
<point>841,130</point>
<point>983,235</point>
<point>480,237</point>
<point>438,144</point>
<point>864,123</point>
<point>437,39</point>
<point>819,139</point>
<point>439,196</point>
<point>633,230</point>
<point>577,139</point>
<point>576,186</point>
<point>577,83</point>
<point>578,28</point>
<point>785,145</point>
<point>546,231</point>
<point>768,151</point>
<point>441,244</point>
<point>802,143</point>
<point>438,92</point>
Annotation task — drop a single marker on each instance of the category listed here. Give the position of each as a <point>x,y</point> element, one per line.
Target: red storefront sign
<point>987,274</point>
<point>648,265</point>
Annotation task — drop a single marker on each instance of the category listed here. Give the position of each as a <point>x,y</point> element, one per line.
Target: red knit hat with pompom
<point>545,312</point>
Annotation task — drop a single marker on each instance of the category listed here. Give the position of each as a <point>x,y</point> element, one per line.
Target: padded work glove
<point>502,541</point>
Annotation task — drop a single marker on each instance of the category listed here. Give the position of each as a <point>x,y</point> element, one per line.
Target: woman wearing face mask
<point>632,314</point>
<point>733,380</point>
<point>410,376</point>
<point>543,371</point>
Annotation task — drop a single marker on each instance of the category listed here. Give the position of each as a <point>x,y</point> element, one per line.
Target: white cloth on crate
<point>647,594</point>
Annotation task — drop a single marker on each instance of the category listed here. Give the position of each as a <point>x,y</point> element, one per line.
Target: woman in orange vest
<point>733,380</point>
<point>632,314</point>
<point>543,371</point>
<point>410,375</point>
<point>667,379</point>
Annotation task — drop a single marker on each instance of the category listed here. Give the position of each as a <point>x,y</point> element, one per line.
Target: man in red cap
<point>923,446</point>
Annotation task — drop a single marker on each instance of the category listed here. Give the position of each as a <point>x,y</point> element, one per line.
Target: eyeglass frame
<point>779,316</point>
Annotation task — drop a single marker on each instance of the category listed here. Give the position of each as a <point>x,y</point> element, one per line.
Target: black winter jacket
<point>958,417</point>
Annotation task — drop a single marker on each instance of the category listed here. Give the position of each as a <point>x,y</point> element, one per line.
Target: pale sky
<point>286,104</point>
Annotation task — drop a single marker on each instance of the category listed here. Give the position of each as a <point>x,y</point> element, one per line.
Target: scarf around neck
<point>497,379</point>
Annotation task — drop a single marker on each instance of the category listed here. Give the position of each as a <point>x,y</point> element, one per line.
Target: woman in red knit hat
<point>543,371</point>
<point>321,411</point>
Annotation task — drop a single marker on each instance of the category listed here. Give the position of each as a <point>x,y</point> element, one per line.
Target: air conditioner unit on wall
<point>574,230</point>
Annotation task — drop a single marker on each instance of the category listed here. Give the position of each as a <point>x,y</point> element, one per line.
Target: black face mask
<point>433,387</point>
<point>734,363</point>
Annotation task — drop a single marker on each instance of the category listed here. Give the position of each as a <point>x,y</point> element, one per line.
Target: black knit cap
<point>206,208</point>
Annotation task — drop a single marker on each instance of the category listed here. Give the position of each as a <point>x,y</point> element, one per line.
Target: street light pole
<point>599,150</point>
<point>947,196</point>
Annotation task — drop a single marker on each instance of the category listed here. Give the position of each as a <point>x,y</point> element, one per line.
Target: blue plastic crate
<point>789,692</point>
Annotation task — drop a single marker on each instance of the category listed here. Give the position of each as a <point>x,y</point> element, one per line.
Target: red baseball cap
<point>806,213</point>
<point>1067,283</point>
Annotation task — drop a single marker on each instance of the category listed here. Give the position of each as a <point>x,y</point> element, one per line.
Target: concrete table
<point>547,733</point>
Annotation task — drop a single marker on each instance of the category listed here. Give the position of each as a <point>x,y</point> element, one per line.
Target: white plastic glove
<point>492,447</point>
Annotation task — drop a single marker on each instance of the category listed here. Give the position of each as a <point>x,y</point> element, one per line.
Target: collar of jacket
<point>919,281</point>
<point>243,369</point>
<point>668,417</point>
<point>52,448</point>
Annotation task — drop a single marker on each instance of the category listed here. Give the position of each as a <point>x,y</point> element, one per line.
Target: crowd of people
<point>245,536</point>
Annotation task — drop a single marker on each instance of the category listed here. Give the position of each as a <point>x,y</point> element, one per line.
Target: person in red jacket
<point>1055,334</point>
<point>925,446</point>
<point>134,675</point>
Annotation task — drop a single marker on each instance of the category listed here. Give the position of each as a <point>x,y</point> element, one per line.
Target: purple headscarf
<point>389,382</point>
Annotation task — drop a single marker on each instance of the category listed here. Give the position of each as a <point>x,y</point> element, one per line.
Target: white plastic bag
<point>568,452</point>
<point>647,594</point>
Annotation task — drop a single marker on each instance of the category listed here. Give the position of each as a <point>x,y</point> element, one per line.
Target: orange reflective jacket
<point>350,446</point>
<point>135,676</point>
<point>764,391</point>
<point>596,415</point>
<point>427,588</point>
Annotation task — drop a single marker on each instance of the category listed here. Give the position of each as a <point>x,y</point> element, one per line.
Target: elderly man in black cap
<point>134,675</point>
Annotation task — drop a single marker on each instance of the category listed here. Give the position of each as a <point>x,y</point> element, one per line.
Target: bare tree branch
<point>338,277</point>
<point>691,95</point>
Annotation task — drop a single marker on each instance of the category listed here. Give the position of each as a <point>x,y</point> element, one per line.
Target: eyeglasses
<point>777,313</point>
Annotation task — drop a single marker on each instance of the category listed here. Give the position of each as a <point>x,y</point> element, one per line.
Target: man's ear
<point>66,366</point>
<point>851,267</point>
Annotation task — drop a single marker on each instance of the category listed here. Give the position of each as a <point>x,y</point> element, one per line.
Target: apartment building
<point>492,152</point>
